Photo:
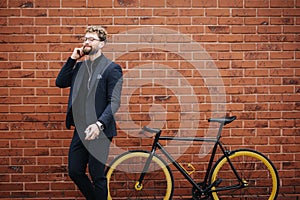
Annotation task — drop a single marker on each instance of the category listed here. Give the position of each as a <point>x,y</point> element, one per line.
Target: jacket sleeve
<point>64,78</point>
<point>114,89</point>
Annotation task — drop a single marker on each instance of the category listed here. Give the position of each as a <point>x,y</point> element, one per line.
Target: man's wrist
<point>100,125</point>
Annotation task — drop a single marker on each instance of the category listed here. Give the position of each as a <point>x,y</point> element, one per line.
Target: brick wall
<point>183,60</point>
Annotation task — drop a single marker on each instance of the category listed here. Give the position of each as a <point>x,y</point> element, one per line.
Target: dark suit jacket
<point>107,94</point>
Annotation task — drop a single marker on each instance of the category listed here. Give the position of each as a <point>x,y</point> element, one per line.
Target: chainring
<point>198,195</point>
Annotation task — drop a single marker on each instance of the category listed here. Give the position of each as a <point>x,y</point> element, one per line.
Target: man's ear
<point>101,44</point>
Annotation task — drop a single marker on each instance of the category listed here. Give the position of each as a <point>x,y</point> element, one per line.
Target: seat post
<point>220,130</point>
<point>223,121</point>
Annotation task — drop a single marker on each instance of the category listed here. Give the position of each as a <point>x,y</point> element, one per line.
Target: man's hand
<point>77,53</point>
<point>92,132</point>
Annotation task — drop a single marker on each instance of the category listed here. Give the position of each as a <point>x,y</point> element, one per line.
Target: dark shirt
<point>82,106</point>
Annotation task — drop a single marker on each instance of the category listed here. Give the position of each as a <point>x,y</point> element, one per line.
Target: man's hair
<point>101,32</point>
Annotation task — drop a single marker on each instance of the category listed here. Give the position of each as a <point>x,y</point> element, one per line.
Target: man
<point>95,91</point>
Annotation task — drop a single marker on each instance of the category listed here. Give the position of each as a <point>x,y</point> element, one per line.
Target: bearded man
<point>95,90</point>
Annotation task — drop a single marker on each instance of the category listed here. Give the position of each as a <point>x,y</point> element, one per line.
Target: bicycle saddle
<point>224,120</point>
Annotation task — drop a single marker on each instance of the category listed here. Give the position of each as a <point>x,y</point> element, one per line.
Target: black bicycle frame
<point>180,168</point>
<point>156,145</point>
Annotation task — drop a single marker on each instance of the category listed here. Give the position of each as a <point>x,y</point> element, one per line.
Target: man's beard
<point>88,50</point>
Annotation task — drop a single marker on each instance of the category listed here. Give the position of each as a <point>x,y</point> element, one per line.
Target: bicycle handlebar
<point>151,130</point>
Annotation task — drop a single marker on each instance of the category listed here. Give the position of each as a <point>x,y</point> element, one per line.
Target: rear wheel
<point>124,172</point>
<point>259,176</point>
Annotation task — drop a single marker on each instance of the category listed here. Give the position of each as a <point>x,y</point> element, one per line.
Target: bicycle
<point>237,174</point>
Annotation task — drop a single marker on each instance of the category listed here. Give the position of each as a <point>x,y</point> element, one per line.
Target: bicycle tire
<point>124,171</point>
<point>255,169</point>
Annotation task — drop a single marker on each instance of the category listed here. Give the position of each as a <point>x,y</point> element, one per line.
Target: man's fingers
<point>91,132</point>
<point>88,133</point>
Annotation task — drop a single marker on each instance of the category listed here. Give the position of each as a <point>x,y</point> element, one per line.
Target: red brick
<point>139,12</point>
<point>154,3</point>
<point>36,152</point>
<point>178,3</point>
<point>231,3</point>
<point>178,21</point>
<point>281,55</point>
<point>217,12</point>
<point>52,143</point>
<point>100,4</point>
<point>11,186</point>
<point>21,56</point>
<point>52,3</point>
<point>230,56</point>
<point>281,4</point>
<point>9,12</point>
<point>231,38</point>
<point>282,21</point>
<point>243,12</point>
<point>126,3</point>
<point>47,21</point>
<point>68,3</point>
<point>19,91</point>
<point>23,178</point>
<point>35,135</point>
<point>60,151</point>
<point>282,72</point>
<point>49,160</point>
<point>34,12</point>
<point>256,56</point>
<point>37,186</point>
<point>152,21</point>
<point>204,3</point>
<point>205,21</point>
<point>268,29</point>
<point>256,38</point>
<point>256,4</point>
<point>21,21</point>
<point>23,144</point>
<point>62,186</point>
<point>188,12</point>
<point>291,12</point>
<point>126,21</point>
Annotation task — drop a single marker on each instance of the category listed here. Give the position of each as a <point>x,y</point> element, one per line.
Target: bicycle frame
<point>217,144</point>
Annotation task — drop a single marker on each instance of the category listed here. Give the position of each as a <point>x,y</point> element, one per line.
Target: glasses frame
<point>89,39</point>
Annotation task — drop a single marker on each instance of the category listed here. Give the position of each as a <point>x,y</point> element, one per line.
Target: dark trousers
<point>94,154</point>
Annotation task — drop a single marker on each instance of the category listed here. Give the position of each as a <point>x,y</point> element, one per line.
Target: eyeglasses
<point>89,39</point>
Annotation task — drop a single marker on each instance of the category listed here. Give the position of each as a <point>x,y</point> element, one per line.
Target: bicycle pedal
<point>189,168</point>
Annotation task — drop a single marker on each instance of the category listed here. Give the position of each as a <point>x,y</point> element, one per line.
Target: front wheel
<point>259,177</point>
<point>125,170</point>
